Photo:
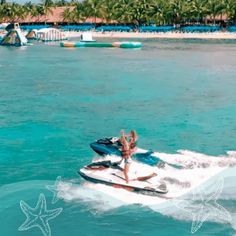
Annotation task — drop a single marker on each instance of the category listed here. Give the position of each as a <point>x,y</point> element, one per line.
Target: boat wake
<point>205,189</point>
<point>191,160</point>
<point>200,190</point>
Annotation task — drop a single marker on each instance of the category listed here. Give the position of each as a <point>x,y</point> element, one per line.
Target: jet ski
<point>111,174</point>
<point>112,146</point>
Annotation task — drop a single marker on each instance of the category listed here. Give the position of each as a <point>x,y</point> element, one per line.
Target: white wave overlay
<point>194,191</point>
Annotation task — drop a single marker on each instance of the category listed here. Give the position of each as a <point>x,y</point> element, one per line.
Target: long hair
<point>133,135</point>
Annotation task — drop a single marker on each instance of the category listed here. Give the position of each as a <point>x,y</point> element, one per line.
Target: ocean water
<point>178,95</point>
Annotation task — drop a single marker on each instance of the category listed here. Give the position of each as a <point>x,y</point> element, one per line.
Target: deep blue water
<point>55,101</point>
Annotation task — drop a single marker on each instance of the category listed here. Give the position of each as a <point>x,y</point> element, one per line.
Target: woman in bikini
<point>125,153</point>
<point>127,150</point>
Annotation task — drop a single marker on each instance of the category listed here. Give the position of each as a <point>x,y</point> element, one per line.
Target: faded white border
<point>204,205</point>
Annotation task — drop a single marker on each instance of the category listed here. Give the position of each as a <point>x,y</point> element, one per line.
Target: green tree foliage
<point>137,12</point>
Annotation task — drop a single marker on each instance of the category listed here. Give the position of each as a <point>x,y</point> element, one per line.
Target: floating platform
<point>46,35</point>
<point>14,37</point>
<point>102,45</point>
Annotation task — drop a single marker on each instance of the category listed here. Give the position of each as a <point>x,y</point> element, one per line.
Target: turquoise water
<point>55,101</point>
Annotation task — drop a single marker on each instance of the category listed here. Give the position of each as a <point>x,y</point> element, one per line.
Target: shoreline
<point>168,35</point>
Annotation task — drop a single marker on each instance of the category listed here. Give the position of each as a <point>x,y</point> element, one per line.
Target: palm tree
<point>140,11</point>
<point>177,10</point>
<point>79,12</point>
<point>33,11</point>
<point>215,8</point>
<point>69,15</point>
<point>48,3</point>
<point>108,10</point>
<point>10,11</point>
<point>40,11</point>
<point>159,12</point>
<point>93,8</point>
<point>229,9</point>
<point>61,3</point>
<point>21,12</point>
<point>123,11</point>
<point>1,12</point>
<point>73,2</point>
<point>196,10</point>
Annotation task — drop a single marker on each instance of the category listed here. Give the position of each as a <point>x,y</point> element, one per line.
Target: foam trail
<point>233,224</point>
<point>178,185</point>
<point>104,198</point>
<point>200,206</point>
<point>231,154</point>
<point>88,193</point>
<point>190,159</point>
<point>201,170</point>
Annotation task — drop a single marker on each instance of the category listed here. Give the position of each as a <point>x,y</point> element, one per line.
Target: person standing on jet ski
<point>125,153</point>
<point>127,149</point>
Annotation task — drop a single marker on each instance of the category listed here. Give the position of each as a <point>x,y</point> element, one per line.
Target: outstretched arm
<point>123,138</point>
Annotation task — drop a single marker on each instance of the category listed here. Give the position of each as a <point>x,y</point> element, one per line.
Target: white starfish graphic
<point>38,216</point>
<point>55,189</point>
<point>204,205</point>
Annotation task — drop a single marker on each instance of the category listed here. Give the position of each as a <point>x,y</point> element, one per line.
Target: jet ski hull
<point>116,180</point>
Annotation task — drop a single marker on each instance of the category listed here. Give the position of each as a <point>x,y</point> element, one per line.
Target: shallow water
<point>54,101</point>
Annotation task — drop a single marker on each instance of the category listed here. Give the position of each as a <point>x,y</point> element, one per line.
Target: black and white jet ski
<point>108,173</point>
<point>112,146</point>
